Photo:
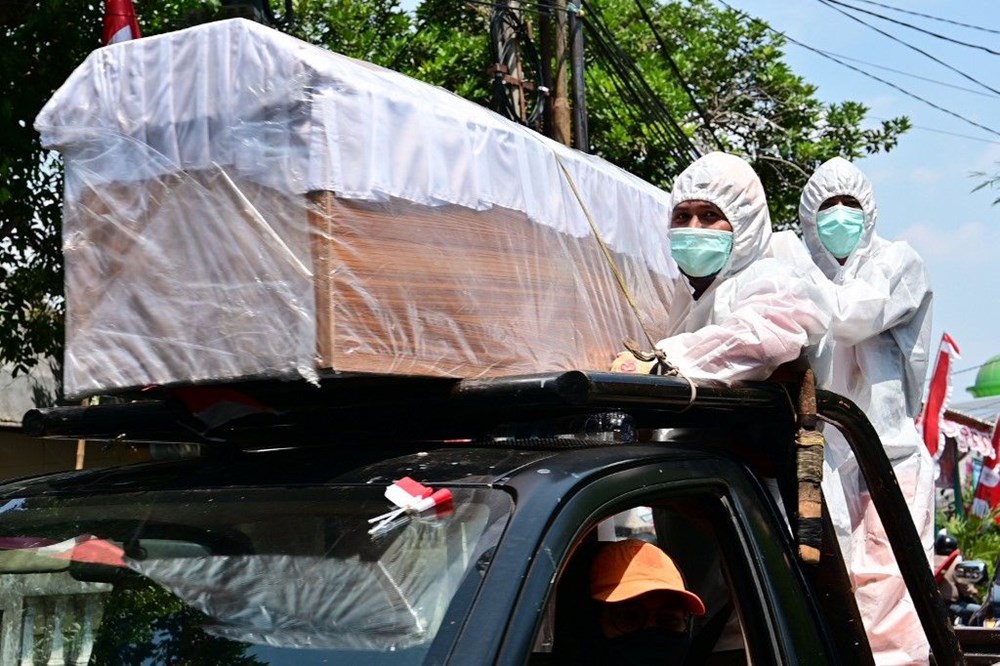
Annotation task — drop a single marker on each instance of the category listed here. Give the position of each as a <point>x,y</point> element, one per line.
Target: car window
<point>235,576</point>
<point>682,528</point>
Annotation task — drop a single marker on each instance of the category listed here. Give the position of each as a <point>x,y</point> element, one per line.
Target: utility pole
<point>561,123</point>
<point>545,60</point>
<point>581,138</point>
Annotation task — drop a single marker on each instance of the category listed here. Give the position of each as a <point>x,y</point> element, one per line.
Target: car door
<point>715,520</point>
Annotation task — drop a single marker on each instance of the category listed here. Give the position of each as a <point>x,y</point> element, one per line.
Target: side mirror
<point>972,571</point>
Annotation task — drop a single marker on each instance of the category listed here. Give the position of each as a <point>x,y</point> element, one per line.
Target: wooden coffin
<point>290,212</point>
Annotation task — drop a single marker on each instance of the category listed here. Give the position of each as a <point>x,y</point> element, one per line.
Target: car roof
<point>457,463</point>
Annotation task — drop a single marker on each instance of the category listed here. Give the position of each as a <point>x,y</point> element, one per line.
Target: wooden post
<point>81,444</point>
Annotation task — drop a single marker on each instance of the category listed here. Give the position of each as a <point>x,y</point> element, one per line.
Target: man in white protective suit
<point>743,314</point>
<point>879,333</point>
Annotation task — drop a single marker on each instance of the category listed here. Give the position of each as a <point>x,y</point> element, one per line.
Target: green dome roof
<point>987,379</point>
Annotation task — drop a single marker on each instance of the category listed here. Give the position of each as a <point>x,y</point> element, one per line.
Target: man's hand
<point>627,362</point>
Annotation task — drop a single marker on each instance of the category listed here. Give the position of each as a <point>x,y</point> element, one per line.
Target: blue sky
<point>923,187</point>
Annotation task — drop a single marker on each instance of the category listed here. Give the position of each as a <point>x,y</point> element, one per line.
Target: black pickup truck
<point>252,541</point>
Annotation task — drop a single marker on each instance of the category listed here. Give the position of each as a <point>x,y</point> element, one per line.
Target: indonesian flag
<point>995,441</point>
<point>987,492</point>
<point>120,24</point>
<point>410,495</point>
<point>937,396</point>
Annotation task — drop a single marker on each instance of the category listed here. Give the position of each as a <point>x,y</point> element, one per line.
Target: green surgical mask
<point>840,229</point>
<point>701,252</point>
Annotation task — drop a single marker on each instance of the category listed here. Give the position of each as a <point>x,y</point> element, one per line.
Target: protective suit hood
<point>836,177</point>
<point>731,184</point>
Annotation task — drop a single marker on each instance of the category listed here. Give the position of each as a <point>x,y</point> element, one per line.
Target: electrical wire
<point>524,4</point>
<point>633,87</point>
<point>959,372</point>
<point>637,106</point>
<point>928,16</point>
<point>680,77</point>
<point>911,75</point>
<point>914,27</point>
<point>628,68</point>
<point>941,131</point>
<point>903,90</point>
<point>909,46</point>
<point>861,71</point>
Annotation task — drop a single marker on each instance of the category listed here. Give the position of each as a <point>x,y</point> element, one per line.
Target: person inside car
<point>644,610</point>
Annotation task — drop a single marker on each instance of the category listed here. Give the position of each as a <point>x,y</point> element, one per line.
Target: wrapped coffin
<point>241,204</point>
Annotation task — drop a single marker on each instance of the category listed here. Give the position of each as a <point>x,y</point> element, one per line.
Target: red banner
<point>120,24</point>
<point>937,396</point>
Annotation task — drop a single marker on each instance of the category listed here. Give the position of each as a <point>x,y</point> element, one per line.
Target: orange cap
<point>625,569</point>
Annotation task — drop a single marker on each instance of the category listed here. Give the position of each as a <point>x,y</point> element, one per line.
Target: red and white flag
<point>937,396</point>
<point>988,489</point>
<point>995,441</point>
<point>410,495</point>
<point>120,23</point>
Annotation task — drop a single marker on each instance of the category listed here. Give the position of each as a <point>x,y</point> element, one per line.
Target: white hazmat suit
<point>758,312</point>
<point>879,350</point>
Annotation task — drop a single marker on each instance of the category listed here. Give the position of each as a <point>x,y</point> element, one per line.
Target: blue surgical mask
<point>701,252</point>
<point>840,229</point>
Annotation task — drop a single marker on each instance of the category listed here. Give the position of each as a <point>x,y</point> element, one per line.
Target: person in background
<point>742,314</point>
<point>879,334</point>
<point>961,596</point>
<point>644,609</point>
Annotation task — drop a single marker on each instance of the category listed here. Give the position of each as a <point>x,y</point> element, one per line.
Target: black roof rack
<point>375,407</point>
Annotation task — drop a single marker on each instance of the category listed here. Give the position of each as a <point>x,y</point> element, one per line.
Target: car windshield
<point>238,576</point>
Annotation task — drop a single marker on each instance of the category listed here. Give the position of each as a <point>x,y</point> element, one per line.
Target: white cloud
<point>967,242</point>
<point>928,176</point>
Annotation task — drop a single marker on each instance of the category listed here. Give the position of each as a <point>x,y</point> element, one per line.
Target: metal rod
<point>899,528</point>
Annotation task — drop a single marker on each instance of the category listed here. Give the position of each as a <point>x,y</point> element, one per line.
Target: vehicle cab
<point>266,546</point>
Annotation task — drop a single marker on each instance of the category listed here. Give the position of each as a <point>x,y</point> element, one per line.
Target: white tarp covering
<point>190,161</point>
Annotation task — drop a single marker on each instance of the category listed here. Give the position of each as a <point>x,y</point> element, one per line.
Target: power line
<point>941,131</point>
<point>928,16</point>
<point>910,46</point>
<point>911,75</point>
<point>861,71</point>
<point>635,86</point>
<point>522,4</point>
<point>903,90</point>
<point>680,77</point>
<point>917,28</point>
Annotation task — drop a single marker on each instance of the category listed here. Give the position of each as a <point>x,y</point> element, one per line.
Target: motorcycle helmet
<point>945,544</point>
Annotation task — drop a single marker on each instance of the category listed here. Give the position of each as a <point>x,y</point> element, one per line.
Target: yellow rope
<point>609,257</point>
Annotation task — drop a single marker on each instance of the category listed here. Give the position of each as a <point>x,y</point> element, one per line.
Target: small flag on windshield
<point>410,497</point>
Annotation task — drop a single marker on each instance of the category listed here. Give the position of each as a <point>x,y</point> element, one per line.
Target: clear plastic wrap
<point>242,204</point>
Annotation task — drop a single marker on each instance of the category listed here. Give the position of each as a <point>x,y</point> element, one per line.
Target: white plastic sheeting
<point>193,161</point>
